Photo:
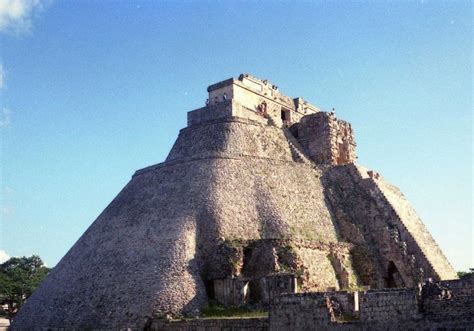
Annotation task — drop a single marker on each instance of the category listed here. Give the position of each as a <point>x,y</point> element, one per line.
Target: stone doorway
<point>285,116</point>
<point>393,278</point>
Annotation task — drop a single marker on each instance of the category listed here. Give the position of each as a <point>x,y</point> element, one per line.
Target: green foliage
<point>19,277</point>
<point>463,274</point>
<point>346,318</point>
<point>214,310</point>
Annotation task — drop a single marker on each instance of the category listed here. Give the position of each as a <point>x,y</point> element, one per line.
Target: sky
<point>91,91</point>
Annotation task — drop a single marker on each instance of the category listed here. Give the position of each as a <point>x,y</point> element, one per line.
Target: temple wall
<point>251,93</point>
<point>222,111</point>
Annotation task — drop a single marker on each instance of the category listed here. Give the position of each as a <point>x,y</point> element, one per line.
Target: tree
<point>19,277</point>
<point>465,274</point>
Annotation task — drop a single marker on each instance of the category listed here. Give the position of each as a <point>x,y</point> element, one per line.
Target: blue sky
<point>92,91</point>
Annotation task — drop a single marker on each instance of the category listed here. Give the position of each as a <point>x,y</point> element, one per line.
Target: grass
<point>219,311</point>
<point>344,318</point>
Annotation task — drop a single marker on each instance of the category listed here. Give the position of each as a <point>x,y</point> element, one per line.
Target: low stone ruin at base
<point>260,203</point>
<point>446,305</point>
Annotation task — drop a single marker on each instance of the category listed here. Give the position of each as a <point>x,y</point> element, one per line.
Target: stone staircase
<point>428,248</point>
<point>297,155</point>
<point>295,148</point>
<point>407,251</point>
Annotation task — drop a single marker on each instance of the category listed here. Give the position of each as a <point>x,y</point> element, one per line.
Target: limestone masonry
<point>259,202</point>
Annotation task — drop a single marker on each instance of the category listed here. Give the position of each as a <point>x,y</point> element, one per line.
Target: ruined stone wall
<point>325,139</point>
<point>314,264</point>
<point>302,311</point>
<point>313,311</point>
<point>274,285</point>
<point>386,309</point>
<point>231,291</point>
<point>449,300</point>
<point>388,305</point>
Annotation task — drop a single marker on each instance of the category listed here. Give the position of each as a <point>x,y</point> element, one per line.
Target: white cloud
<point>5,116</point>
<point>4,256</point>
<point>16,15</point>
<point>2,76</point>
<point>7,211</point>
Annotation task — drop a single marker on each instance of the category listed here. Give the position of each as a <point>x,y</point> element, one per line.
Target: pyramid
<point>260,194</point>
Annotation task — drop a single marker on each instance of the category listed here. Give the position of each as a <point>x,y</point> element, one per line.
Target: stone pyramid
<point>259,195</point>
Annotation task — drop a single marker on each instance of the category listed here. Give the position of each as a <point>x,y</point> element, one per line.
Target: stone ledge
<point>231,119</point>
<point>227,157</point>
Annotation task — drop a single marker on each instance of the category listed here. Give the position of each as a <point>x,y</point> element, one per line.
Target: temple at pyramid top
<point>251,98</point>
<point>324,138</point>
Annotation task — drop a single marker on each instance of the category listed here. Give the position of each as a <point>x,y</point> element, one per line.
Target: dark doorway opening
<point>392,275</point>
<point>211,294</point>
<point>285,115</point>
<point>255,295</point>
